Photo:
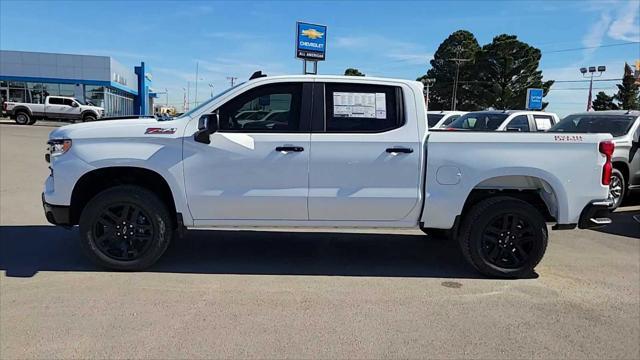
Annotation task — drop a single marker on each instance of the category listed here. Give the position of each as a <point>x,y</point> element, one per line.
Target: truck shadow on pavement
<point>25,250</point>
<point>624,223</point>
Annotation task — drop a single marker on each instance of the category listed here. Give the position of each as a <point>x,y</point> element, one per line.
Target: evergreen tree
<point>627,96</point>
<point>505,69</point>
<point>604,102</point>
<point>353,72</point>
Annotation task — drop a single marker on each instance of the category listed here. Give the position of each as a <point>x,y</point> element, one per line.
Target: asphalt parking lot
<point>303,294</point>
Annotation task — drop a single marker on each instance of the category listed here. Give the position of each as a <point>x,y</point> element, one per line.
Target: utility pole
<point>166,91</point>
<point>458,61</point>
<point>427,83</point>
<point>591,71</point>
<point>232,79</point>
<point>196,96</point>
<point>188,95</point>
<point>184,100</point>
<point>211,86</point>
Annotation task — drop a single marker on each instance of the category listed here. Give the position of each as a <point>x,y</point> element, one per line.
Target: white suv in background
<point>505,120</point>
<point>440,119</point>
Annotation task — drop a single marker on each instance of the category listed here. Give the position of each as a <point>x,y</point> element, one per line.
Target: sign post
<point>534,99</point>
<point>311,45</point>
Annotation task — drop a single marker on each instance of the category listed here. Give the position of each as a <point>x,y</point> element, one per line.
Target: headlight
<point>57,147</point>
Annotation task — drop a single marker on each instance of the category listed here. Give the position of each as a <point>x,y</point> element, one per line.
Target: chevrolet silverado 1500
<point>337,152</point>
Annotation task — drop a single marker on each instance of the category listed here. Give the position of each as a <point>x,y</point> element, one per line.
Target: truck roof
<point>610,112</point>
<point>334,77</point>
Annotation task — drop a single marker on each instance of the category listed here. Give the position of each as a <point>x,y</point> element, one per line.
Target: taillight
<point>606,148</point>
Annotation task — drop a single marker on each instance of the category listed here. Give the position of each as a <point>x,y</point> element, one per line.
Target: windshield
<point>432,119</point>
<point>616,125</point>
<point>206,103</point>
<point>83,102</point>
<point>479,121</point>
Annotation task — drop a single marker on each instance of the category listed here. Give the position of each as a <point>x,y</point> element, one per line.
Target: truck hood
<point>125,128</point>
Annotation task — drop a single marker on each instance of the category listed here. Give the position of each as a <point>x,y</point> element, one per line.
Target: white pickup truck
<point>342,152</point>
<point>54,107</point>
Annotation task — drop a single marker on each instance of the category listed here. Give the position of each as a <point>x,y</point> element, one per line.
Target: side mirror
<point>207,125</point>
<point>636,137</point>
<point>74,104</point>
<point>513,129</point>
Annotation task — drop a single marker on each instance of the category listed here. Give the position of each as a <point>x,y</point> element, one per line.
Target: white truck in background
<point>343,152</point>
<point>54,108</point>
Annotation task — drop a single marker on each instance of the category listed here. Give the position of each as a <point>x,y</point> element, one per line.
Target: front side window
<point>67,102</point>
<point>479,121</point>
<point>268,108</point>
<point>519,123</point>
<point>362,108</point>
<point>449,120</point>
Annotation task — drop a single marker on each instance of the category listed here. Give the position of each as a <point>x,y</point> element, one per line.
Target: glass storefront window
<point>17,95</point>
<point>67,90</point>
<point>51,89</point>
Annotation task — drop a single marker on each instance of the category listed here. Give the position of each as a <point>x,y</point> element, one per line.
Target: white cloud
<point>626,26</point>
<point>400,51</point>
<point>597,31</point>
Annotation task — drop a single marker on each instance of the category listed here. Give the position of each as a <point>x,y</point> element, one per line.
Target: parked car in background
<point>624,126</point>
<point>505,120</point>
<point>54,107</point>
<point>441,119</point>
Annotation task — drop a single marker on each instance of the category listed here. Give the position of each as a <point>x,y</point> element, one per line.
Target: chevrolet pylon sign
<point>311,41</point>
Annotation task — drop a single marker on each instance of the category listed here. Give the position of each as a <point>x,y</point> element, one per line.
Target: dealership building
<point>31,76</point>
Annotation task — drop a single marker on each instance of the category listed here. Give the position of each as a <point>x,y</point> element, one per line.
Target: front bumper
<point>57,215</point>
<point>595,214</point>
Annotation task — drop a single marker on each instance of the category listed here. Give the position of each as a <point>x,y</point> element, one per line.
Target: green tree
<point>604,102</point>
<point>627,96</point>
<point>505,68</point>
<point>353,72</point>
<point>459,45</point>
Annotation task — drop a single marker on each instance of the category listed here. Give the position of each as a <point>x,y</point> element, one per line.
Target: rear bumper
<point>55,214</point>
<point>595,214</point>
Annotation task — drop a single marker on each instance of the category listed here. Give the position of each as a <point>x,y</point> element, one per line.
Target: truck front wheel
<point>23,118</point>
<point>503,237</point>
<point>125,228</point>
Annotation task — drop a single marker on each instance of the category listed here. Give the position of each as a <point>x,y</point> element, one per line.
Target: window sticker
<point>543,123</point>
<point>359,105</point>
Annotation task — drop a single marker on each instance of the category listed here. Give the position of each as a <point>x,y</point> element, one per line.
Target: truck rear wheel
<point>503,237</point>
<point>23,118</point>
<point>125,228</point>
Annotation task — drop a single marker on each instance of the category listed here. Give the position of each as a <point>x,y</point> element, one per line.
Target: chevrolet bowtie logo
<point>312,33</point>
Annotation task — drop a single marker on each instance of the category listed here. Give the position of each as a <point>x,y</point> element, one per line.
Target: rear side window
<point>543,122</point>
<point>520,122</point>
<point>56,101</point>
<point>432,119</point>
<point>362,108</point>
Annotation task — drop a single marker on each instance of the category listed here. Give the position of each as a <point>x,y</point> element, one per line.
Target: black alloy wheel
<point>507,241</point>
<point>123,232</point>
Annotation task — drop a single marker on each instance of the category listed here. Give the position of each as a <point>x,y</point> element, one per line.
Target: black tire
<point>32,121</point>
<point>617,188</point>
<point>88,117</point>
<point>511,249</point>
<point>148,219</point>
<point>22,118</point>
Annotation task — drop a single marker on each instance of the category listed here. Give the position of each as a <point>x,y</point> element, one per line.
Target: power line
<point>591,47</point>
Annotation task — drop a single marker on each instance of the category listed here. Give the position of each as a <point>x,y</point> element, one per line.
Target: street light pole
<point>211,86</point>
<point>591,70</point>
<point>166,91</point>
<point>196,96</point>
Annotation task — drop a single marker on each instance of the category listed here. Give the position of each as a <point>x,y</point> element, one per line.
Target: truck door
<point>70,110</point>
<point>54,108</point>
<point>254,168</point>
<point>365,156</point>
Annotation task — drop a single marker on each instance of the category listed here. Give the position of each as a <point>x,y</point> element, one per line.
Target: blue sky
<point>392,39</point>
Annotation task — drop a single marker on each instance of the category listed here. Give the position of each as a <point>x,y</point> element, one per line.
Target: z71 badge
<point>160,131</point>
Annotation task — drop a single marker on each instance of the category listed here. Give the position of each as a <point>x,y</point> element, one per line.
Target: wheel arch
<point>88,112</point>
<point>623,167</point>
<point>21,108</point>
<point>93,182</point>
